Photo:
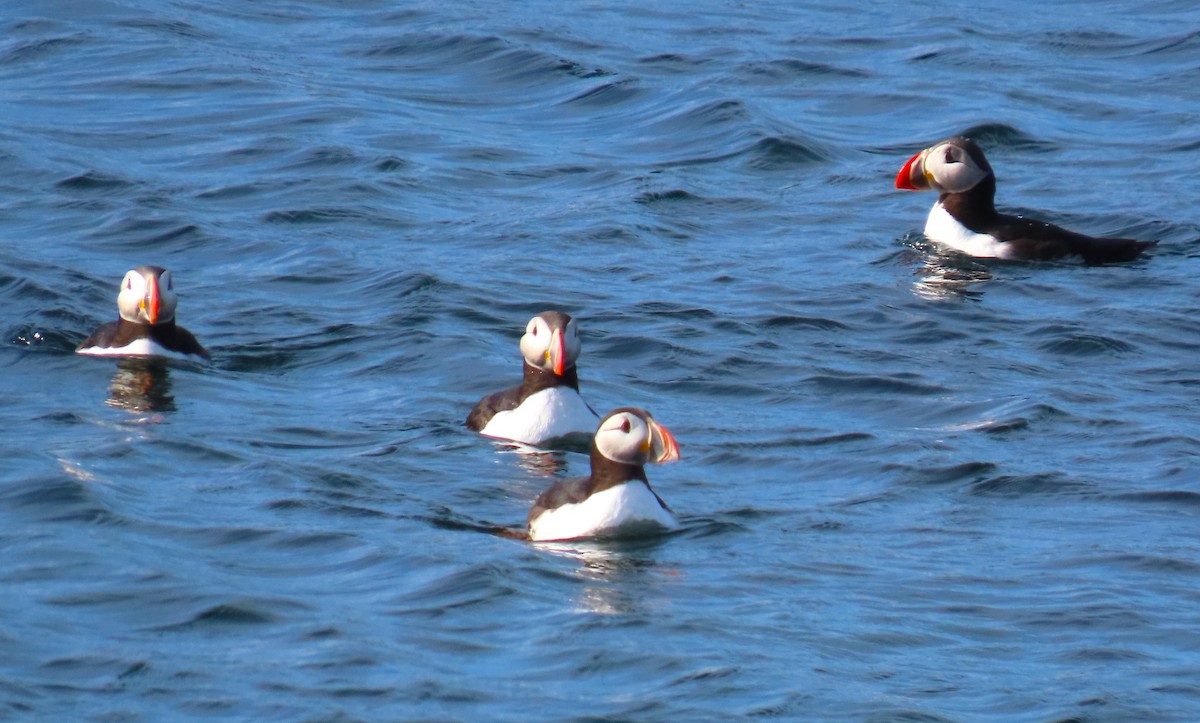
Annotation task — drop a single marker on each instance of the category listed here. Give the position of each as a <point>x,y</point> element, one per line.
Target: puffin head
<point>631,436</point>
<point>147,296</point>
<point>551,342</point>
<point>955,165</point>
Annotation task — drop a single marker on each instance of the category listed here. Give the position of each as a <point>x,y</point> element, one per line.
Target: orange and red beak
<point>151,303</point>
<point>662,443</point>
<point>557,353</point>
<point>912,176</point>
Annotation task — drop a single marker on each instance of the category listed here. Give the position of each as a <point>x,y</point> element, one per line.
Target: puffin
<point>616,499</point>
<point>965,216</point>
<point>546,405</point>
<point>147,325</point>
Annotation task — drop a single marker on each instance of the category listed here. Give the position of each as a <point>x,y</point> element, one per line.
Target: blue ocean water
<point>914,486</point>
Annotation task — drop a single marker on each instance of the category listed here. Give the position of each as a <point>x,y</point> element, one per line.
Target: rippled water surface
<point>914,486</point>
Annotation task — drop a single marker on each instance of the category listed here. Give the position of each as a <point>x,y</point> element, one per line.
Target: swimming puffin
<point>616,498</point>
<point>965,217</point>
<point>147,325</point>
<point>546,406</point>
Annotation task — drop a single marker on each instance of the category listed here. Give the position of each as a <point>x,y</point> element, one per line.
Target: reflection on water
<point>946,277</point>
<point>535,460</point>
<point>616,574</point>
<point>141,385</point>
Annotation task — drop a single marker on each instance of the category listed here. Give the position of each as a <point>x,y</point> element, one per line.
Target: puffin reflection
<point>141,385</point>
<point>534,460</point>
<point>619,577</point>
<point>946,277</point>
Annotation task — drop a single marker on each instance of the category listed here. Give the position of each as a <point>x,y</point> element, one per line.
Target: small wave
<point>674,311</point>
<point>799,439</point>
<point>40,49</point>
<point>291,352</point>
<point>1087,41</point>
<point>27,287</point>
<point>225,614</point>
<point>324,157</point>
<point>703,116</point>
<point>673,62</point>
<point>472,585</point>
<point>87,674</point>
<point>1086,345</point>
<point>775,154</point>
<point>62,498</point>
<point>463,48</point>
<point>94,181</point>
<point>552,172</point>
<point>1002,135</point>
<point>607,94</point>
<point>333,215</point>
<point>1185,44</point>
<point>1167,497</point>
<point>700,527</point>
<point>796,69</point>
<point>672,196</point>
<point>1118,45</point>
<point>791,321</point>
<point>237,190</point>
<point>1050,483</point>
<point>160,234</point>
<point>1009,417</point>
<point>174,28</point>
<point>870,384</point>
<point>1156,564</point>
<point>398,285</point>
<point>938,476</point>
<point>390,164</point>
<point>525,66</point>
<point>707,675</point>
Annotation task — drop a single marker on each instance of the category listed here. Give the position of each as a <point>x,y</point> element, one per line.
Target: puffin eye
<point>950,155</point>
<point>128,283</point>
<point>625,426</point>
<point>533,330</point>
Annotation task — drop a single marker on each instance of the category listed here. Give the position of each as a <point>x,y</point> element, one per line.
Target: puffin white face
<point>947,167</point>
<point>551,342</point>
<point>147,296</point>
<point>631,436</point>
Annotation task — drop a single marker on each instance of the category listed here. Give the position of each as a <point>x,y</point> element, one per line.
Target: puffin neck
<point>535,379</point>
<point>606,473</point>
<point>974,208</point>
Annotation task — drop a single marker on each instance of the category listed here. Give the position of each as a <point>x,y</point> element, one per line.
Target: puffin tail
<point>1114,250</point>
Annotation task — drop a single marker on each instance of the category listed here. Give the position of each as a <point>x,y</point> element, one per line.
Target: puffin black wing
<point>102,337</point>
<point>1043,241</point>
<point>176,338</point>
<point>482,413</point>
<point>562,492</point>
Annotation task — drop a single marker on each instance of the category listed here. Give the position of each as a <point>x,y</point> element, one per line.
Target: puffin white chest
<point>627,508</point>
<point>138,347</point>
<point>548,414</point>
<point>943,228</point>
